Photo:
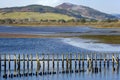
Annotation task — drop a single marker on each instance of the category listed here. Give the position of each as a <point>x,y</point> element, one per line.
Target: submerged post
<point>75,62</point>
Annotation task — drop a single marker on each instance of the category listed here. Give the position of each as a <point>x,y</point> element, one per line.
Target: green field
<point>34,15</point>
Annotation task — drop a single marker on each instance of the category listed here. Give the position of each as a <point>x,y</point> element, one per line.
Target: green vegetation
<point>111,39</point>
<point>36,16</point>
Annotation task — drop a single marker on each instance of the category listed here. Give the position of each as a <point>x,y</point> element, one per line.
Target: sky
<point>107,6</point>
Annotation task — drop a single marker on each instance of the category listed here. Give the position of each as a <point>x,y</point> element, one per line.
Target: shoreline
<point>92,25</point>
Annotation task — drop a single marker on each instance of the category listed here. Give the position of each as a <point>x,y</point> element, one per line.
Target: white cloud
<point>50,2</point>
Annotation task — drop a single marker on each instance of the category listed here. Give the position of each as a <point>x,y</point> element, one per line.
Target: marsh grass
<point>110,39</point>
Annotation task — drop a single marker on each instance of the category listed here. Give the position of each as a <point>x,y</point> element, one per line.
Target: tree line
<point>81,20</point>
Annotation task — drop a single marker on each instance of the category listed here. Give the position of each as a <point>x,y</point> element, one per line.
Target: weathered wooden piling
<point>48,63</point>
<point>31,59</point>
<point>83,61</point>
<point>100,61</point>
<point>70,62</point>
<point>75,62</point>
<point>88,61</point>
<point>15,61</point>
<point>0,62</point>
<point>5,64</point>
<point>117,59</point>
<point>53,62</point>
<point>43,63</point>
<point>79,61</point>
<point>27,64</point>
<point>57,63</point>
<point>95,60</point>
<point>91,60</point>
<point>108,59</point>
<point>18,62</point>
<point>38,64</point>
<point>9,61</point>
<point>63,62</point>
<point>104,60</point>
<point>113,60</point>
<point>23,63</point>
<point>66,62</point>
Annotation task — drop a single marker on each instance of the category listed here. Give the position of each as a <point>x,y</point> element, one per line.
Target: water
<point>60,45</point>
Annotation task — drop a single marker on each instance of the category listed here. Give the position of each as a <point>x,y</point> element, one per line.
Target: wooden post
<point>66,62</point>
<point>15,60</point>
<point>27,64</point>
<point>108,61</point>
<point>70,62</point>
<point>43,63</point>
<point>48,62</point>
<point>75,62</point>
<point>63,62</point>
<point>9,61</point>
<point>88,61</point>
<point>117,60</point>
<point>104,60</point>
<point>5,64</point>
<point>113,60</point>
<point>38,64</point>
<point>53,63</point>
<point>31,57</point>
<point>79,61</point>
<point>0,62</point>
<point>91,60</point>
<point>18,64</point>
<point>95,60</point>
<point>57,63</point>
<point>100,61</point>
<point>23,64</point>
<point>83,61</point>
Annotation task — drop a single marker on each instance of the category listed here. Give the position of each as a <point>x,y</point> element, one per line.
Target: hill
<point>85,11</point>
<point>34,15</point>
<point>77,11</point>
<point>39,8</point>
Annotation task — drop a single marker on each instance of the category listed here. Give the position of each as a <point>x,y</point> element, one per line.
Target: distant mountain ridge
<point>69,9</point>
<point>84,11</point>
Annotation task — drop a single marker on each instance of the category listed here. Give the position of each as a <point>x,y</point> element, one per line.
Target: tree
<point>2,21</point>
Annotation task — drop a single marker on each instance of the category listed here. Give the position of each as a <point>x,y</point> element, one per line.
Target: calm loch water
<point>60,45</point>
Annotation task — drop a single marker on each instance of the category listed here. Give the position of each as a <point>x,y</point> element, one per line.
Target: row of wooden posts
<point>66,60</point>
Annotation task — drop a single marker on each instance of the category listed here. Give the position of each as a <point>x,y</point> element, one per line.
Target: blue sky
<point>107,6</point>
